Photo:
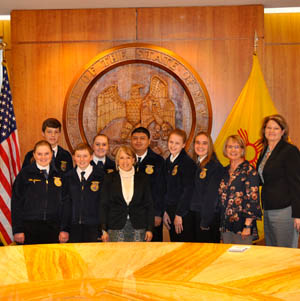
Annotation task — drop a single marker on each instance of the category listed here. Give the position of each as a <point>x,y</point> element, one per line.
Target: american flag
<point>9,157</point>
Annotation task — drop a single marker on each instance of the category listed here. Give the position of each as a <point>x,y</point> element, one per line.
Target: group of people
<point>197,199</point>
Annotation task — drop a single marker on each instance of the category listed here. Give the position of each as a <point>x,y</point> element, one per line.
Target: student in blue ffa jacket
<point>51,130</point>
<point>151,164</point>
<point>205,197</point>
<point>126,204</point>
<point>179,173</point>
<point>37,199</point>
<point>82,198</point>
<point>100,157</point>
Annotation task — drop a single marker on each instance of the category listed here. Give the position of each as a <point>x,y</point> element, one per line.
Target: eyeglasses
<point>233,147</point>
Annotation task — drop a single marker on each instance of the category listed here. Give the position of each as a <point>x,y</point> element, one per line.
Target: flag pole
<point>2,47</point>
<point>255,42</point>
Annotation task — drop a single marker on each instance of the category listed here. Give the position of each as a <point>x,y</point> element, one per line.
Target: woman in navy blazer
<point>206,220</point>
<point>126,212</point>
<point>279,170</point>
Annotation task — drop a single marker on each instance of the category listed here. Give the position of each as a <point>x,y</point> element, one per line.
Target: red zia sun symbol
<point>252,149</point>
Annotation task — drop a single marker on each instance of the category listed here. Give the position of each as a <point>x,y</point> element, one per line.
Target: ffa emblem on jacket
<point>175,170</point>
<point>203,173</point>
<point>149,169</point>
<point>63,165</point>
<point>109,170</point>
<point>57,181</point>
<point>95,186</point>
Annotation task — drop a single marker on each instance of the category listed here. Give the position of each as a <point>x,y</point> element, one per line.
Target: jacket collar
<point>179,157</point>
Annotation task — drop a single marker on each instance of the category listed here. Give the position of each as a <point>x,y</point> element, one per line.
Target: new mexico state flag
<point>245,119</point>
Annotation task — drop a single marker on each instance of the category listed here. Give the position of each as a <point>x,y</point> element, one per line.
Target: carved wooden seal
<point>136,85</point>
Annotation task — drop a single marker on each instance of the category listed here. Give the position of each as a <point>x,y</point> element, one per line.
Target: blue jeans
<point>279,228</point>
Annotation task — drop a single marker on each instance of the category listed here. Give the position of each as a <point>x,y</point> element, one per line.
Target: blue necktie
<point>138,163</point>
<point>100,164</point>
<point>82,180</point>
<point>45,173</point>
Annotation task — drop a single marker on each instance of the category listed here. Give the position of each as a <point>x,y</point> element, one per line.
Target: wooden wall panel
<point>282,28</point>
<point>51,46</point>
<point>48,56</point>
<point>188,23</point>
<point>49,70</point>
<point>73,25</point>
<point>282,67</point>
<point>5,35</point>
<point>216,41</point>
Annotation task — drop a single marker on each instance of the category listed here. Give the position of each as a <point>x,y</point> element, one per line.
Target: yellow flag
<point>245,119</point>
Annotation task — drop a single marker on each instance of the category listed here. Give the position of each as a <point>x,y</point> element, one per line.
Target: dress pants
<point>158,233</point>
<point>279,228</point>
<point>40,232</point>
<point>234,238</point>
<point>212,235</point>
<point>187,235</point>
<point>84,233</point>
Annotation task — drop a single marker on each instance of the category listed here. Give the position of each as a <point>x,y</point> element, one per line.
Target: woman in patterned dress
<point>238,195</point>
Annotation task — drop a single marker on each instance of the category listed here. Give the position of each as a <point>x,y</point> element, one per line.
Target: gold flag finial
<point>255,42</point>
<point>2,45</point>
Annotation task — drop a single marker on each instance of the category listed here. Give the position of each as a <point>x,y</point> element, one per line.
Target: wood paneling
<point>73,25</point>
<point>216,41</point>
<point>282,28</point>
<point>51,46</point>
<point>48,54</point>
<point>282,61</point>
<point>189,23</point>
<point>5,35</point>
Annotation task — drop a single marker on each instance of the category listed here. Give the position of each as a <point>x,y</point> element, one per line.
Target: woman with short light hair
<point>126,212</point>
<point>238,195</point>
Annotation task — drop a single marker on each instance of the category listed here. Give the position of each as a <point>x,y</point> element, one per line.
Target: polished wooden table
<point>148,271</point>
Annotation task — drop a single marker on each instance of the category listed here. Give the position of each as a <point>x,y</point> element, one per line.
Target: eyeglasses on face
<point>233,146</point>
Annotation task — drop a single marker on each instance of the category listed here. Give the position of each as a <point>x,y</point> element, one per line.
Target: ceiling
<point>6,6</point>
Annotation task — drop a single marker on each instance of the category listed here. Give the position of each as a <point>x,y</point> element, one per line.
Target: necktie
<point>45,173</point>
<point>53,158</point>
<point>100,164</point>
<point>82,180</point>
<point>138,163</point>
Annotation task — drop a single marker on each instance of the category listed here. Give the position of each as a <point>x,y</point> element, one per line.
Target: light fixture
<point>4,17</point>
<point>282,10</point>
